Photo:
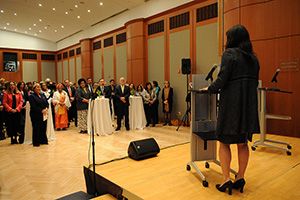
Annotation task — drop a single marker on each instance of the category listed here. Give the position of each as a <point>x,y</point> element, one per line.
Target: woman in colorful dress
<point>62,104</point>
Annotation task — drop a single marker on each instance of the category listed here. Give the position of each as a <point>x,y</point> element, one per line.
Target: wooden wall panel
<point>72,69</point>
<point>78,68</point>
<point>108,54</point>
<point>97,65</point>
<point>230,19</point>
<point>179,48</point>
<point>156,63</point>
<point>65,70</point>
<point>247,2</point>
<point>121,62</point>
<point>206,47</point>
<point>30,71</point>
<point>231,4</point>
<point>252,17</point>
<point>48,70</point>
<point>59,72</point>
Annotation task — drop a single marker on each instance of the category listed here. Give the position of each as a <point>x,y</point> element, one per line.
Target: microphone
<point>209,75</point>
<point>274,79</point>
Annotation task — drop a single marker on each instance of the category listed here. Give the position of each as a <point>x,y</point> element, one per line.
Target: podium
<point>203,127</point>
<point>263,116</point>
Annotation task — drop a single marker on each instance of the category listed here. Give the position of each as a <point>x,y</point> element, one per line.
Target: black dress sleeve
<point>225,72</point>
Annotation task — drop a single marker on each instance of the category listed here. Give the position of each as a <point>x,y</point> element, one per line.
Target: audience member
<point>83,95</point>
<point>167,99</point>
<point>62,103</point>
<point>122,95</point>
<point>38,113</point>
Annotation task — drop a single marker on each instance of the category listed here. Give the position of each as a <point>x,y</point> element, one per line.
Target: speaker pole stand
<point>185,117</point>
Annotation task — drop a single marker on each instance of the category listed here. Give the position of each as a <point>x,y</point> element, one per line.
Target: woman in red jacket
<point>13,102</point>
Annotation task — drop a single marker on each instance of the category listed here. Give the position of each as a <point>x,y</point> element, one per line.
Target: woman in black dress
<point>38,111</point>
<point>238,111</point>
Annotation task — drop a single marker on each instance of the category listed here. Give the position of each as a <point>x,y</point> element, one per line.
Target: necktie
<point>122,87</point>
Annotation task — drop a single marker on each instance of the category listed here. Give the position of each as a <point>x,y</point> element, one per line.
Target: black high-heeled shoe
<point>222,188</point>
<point>239,185</point>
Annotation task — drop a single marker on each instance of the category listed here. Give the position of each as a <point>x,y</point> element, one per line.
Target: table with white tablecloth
<point>137,118</point>
<point>99,116</point>
<point>28,126</point>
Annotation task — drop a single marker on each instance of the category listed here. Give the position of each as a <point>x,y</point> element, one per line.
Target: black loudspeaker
<point>186,66</point>
<point>142,149</point>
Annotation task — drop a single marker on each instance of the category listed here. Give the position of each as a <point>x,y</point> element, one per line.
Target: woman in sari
<point>61,104</point>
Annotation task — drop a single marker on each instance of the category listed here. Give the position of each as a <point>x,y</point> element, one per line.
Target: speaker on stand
<point>186,69</point>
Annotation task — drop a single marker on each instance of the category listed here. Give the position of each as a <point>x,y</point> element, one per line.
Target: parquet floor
<point>54,170</point>
<point>271,175</point>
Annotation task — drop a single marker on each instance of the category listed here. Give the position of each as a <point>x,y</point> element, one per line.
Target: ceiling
<point>55,20</point>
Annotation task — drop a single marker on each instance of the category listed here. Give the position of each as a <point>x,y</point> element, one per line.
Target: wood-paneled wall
<point>275,33</point>
<point>18,75</point>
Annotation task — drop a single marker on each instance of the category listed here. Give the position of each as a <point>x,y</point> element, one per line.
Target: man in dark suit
<point>90,84</point>
<point>102,90</point>
<point>112,97</point>
<point>71,91</point>
<point>122,96</point>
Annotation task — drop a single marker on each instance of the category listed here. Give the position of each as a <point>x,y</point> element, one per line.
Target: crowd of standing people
<point>69,103</point>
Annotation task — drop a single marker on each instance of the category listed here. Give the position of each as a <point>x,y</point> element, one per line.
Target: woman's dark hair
<point>155,83</point>
<point>132,85</point>
<point>140,86</point>
<point>148,83</point>
<point>238,37</point>
<point>80,80</point>
<point>19,85</point>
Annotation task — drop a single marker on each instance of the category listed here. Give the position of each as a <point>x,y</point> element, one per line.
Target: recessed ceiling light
<point>62,26</point>
<point>101,3</point>
<point>29,28</point>
<point>78,17</point>
<point>34,24</point>
<point>45,27</point>
<point>55,31</point>
<point>2,11</point>
<point>4,27</point>
<point>15,29</point>
<point>40,20</point>
<point>53,9</point>
<point>76,6</point>
<point>40,31</point>
<point>40,5</point>
<point>15,14</point>
<point>26,32</point>
<point>89,10</point>
<point>35,34</point>
<point>66,12</point>
<point>7,23</point>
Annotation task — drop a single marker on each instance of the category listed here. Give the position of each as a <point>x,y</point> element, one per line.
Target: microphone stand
<point>93,146</point>
<point>274,79</point>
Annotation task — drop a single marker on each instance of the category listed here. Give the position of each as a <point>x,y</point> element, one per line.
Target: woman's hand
<point>44,111</point>
<point>85,101</point>
<point>204,89</point>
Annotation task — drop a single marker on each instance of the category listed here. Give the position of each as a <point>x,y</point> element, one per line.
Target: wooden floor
<point>54,170</point>
<point>271,175</point>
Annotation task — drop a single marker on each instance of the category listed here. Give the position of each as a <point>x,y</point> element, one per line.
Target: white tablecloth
<point>137,118</point>
<point>28,126</point>
<point>101,117</point>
